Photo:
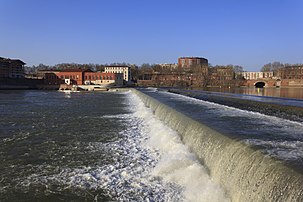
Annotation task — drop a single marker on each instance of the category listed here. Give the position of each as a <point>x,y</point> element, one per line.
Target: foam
<point>232,111</point>
<point>176,164</point>
<point>149,163</point>
<point>287,130</point>
<point>286,150</point>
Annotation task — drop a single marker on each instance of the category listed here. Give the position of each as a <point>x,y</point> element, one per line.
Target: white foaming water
<point>176,164</point>
<point>281,149</point>
<point>149,163</point>
<point>224,110</point>
<point>288,150</point>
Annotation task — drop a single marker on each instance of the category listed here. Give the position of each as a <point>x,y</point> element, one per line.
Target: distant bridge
<point>260,83</point>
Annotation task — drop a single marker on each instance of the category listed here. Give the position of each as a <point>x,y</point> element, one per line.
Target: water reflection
<point>296,93</point>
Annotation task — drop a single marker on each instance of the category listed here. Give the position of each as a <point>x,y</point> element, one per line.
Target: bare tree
<point>271,67</point>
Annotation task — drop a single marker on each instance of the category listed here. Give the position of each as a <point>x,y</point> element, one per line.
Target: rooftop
<point>192,58</point>
<point>11,60</point>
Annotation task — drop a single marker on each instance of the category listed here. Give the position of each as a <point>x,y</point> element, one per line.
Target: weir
<point>245,173</point>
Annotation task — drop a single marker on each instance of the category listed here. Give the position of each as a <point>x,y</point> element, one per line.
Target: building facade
<point>187,62</point>
<point>291,72</point>
<point>82,77</point>
<point>56,77</point>
<point>103,78</point>
<point>169,67</point>
<point>11,68</point>
<point>257,75</point>
<point>125,70</point>
<point>222,76</point>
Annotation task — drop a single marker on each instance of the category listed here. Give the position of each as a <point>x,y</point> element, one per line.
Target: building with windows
<point>125,70</point>
<point>257,75</point>
<point>291,72</point>
<point>81,77</point>
<point>103,78</point>
<point>169,67</point>
<point>187,62</point>
<point>222,76</point>
<point>56,77</point>
<point>11,68</point>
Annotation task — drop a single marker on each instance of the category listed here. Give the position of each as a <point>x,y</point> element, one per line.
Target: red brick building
<point>187,62</point>
<point>11,68</point>
<point>222,76</point>
<point>98,78</point>
<point>291,72</point>
<point>81,77</point>
<point>177,79</point>
<point>56,77</point>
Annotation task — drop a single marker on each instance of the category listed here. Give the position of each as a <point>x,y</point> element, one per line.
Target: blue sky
<point>250,33</point>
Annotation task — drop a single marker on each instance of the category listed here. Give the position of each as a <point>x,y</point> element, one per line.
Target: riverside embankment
<point>291,109</point>
<point>19,84</point>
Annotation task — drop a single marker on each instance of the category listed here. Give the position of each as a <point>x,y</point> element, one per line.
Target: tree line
<point>274,66</point>
<point>145,69</point>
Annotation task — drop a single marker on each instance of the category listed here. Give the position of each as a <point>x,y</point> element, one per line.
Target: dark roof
<point>192,58</point>
<point>12,60</point>
<point>19,61</point>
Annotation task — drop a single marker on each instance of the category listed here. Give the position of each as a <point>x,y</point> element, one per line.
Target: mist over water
<point>94,146</point>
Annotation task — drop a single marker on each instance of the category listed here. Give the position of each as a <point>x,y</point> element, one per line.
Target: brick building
<point>187,62</point>
<point>291,72</point>
<point>81,77</point>
<point>171,79</point>
<point>11,68</point>
<point>55,77</point>
<point>99,78</point>
<point>222,76</point>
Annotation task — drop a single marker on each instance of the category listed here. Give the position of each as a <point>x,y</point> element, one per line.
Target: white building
<point>125,70</point>
<point>257,75</point>
<point>169,66</point>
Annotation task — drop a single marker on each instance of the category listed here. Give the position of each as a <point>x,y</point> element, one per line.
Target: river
<point>296,93</point>
<point>146,145</point>
<point>104,146</point>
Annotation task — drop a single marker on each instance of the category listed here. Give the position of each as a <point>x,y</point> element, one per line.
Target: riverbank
<point>19,84</point>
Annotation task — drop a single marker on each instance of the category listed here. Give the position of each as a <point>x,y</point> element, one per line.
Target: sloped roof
<point>75,70</point>
<point>12,60</point>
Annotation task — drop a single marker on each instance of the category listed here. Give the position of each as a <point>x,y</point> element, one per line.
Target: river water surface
<point>276,137</point>
<point>94,147</point>
<point>295,93</point>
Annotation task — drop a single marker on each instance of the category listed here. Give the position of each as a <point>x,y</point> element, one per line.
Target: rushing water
<point>94,146</point>
<point>276,137</point>
<point>247,172</point>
